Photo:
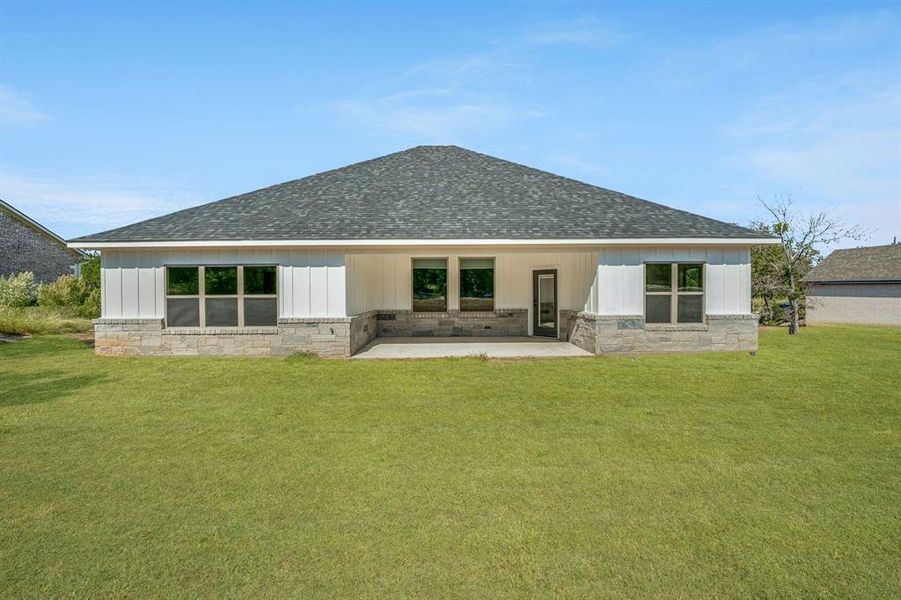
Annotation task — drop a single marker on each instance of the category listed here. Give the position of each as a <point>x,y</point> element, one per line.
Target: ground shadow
<point>44,386</point>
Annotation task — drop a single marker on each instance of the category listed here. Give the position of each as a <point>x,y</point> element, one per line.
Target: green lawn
<point>679,476</point>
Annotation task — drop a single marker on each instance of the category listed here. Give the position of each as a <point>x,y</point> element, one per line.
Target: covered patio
<point>492,347</point>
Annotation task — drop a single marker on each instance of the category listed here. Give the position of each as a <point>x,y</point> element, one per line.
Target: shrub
<point>65,291</point>
<point>71,293</point>
<point>18,290</point>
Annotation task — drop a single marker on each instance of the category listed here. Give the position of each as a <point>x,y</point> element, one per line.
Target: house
<point>858,285</point>
<point>26,245</point>
<point>431,241</point>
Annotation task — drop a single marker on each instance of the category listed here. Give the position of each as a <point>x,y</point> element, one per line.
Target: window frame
<point>202,296</point>
<point>493,260</point>
<point>674,292</point>
<point>446,260</point>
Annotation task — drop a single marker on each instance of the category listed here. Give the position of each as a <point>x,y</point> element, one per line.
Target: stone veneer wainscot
<point>625,334</point>
<point>329,337</point>
<point>454,323</point>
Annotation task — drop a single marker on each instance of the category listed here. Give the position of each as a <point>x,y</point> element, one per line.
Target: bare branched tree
<point>800,235</point>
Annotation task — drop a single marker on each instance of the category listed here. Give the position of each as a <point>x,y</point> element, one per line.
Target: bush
<point>34,320</point>
<point>17,291</point>
<point>71,293</point>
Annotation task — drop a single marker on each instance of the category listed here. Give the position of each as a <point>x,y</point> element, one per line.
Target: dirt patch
<point>86,336</point>
<point>6,337</point>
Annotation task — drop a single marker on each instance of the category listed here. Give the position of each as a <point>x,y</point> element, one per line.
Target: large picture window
<point>674,293</point>
<point>221,296</point>
<point>476,284</point>
<point>429,284</point>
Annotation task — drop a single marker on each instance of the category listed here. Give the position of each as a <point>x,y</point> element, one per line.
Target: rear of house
<point>858,285</point>
<point>432,241</point>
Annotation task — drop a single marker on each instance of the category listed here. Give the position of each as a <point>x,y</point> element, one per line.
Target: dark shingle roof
<point>427,192</point>
<point>876,263</point>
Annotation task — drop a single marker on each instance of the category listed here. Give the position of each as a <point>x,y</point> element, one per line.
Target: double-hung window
<point>674,293</point>
<point>476,284</point>
<point>221,296</point>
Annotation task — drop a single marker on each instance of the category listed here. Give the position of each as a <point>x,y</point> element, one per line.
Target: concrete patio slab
<point>440,347</point>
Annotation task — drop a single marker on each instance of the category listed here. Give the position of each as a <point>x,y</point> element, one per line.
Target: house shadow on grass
<point>44,386</point>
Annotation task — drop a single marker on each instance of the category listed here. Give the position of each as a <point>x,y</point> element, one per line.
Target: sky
<point>111,113</point>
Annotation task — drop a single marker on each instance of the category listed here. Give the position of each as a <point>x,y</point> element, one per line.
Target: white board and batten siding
<point>621,278</point>
<point>330,282</point>
<point>311,282</point>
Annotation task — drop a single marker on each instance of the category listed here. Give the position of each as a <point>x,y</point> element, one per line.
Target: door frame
<point>536,329</point>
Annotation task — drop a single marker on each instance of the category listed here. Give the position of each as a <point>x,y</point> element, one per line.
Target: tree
<point>783,268</point>
<point>90,271</point>
<point>766,276</point>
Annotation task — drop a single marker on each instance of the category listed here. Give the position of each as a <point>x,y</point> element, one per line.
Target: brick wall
<point>870,304</point>
<point>22,248</point>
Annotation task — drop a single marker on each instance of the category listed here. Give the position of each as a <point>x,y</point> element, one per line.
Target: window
<point>221,296</point>
<point>182,297</point>
<point>260,298</point>
<point>674,293</point>
<point>429,284</point>
<point>476,284</point>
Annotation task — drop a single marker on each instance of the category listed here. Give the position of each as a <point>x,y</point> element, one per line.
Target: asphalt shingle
<point>427,192</point>
<point>875,263</point>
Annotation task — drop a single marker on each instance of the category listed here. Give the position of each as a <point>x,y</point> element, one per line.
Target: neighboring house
<point>431,241</point>
<point>859,285</point>
<point>26,245</point>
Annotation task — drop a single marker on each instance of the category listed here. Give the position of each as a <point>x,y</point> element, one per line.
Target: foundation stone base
<point>626,334</point>
<point>328,337</point>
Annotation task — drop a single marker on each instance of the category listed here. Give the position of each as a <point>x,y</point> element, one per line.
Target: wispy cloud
<point>585,31</point>
<point>434,114</point>
<point>15,109</point>
<point>479,91</point>
<point>838,142</point>
<point>80,206</point>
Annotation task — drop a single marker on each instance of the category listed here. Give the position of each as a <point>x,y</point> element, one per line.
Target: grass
<point>676,476</point>
<point>39,320</point>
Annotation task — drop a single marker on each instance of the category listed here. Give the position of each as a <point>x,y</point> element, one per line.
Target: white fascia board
<point>460,242</point>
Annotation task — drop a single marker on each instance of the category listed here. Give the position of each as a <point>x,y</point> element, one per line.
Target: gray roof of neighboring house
<point>23,218</point>
<point>427,192</point>
<point>859,265</point>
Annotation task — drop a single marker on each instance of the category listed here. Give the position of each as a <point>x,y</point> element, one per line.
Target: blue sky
<point>111,113</point>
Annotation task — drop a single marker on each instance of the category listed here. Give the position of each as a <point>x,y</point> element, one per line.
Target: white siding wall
<point>620,289</point>
<point>315,283</point>
<point>383,280</point>
<point>311,282</point>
